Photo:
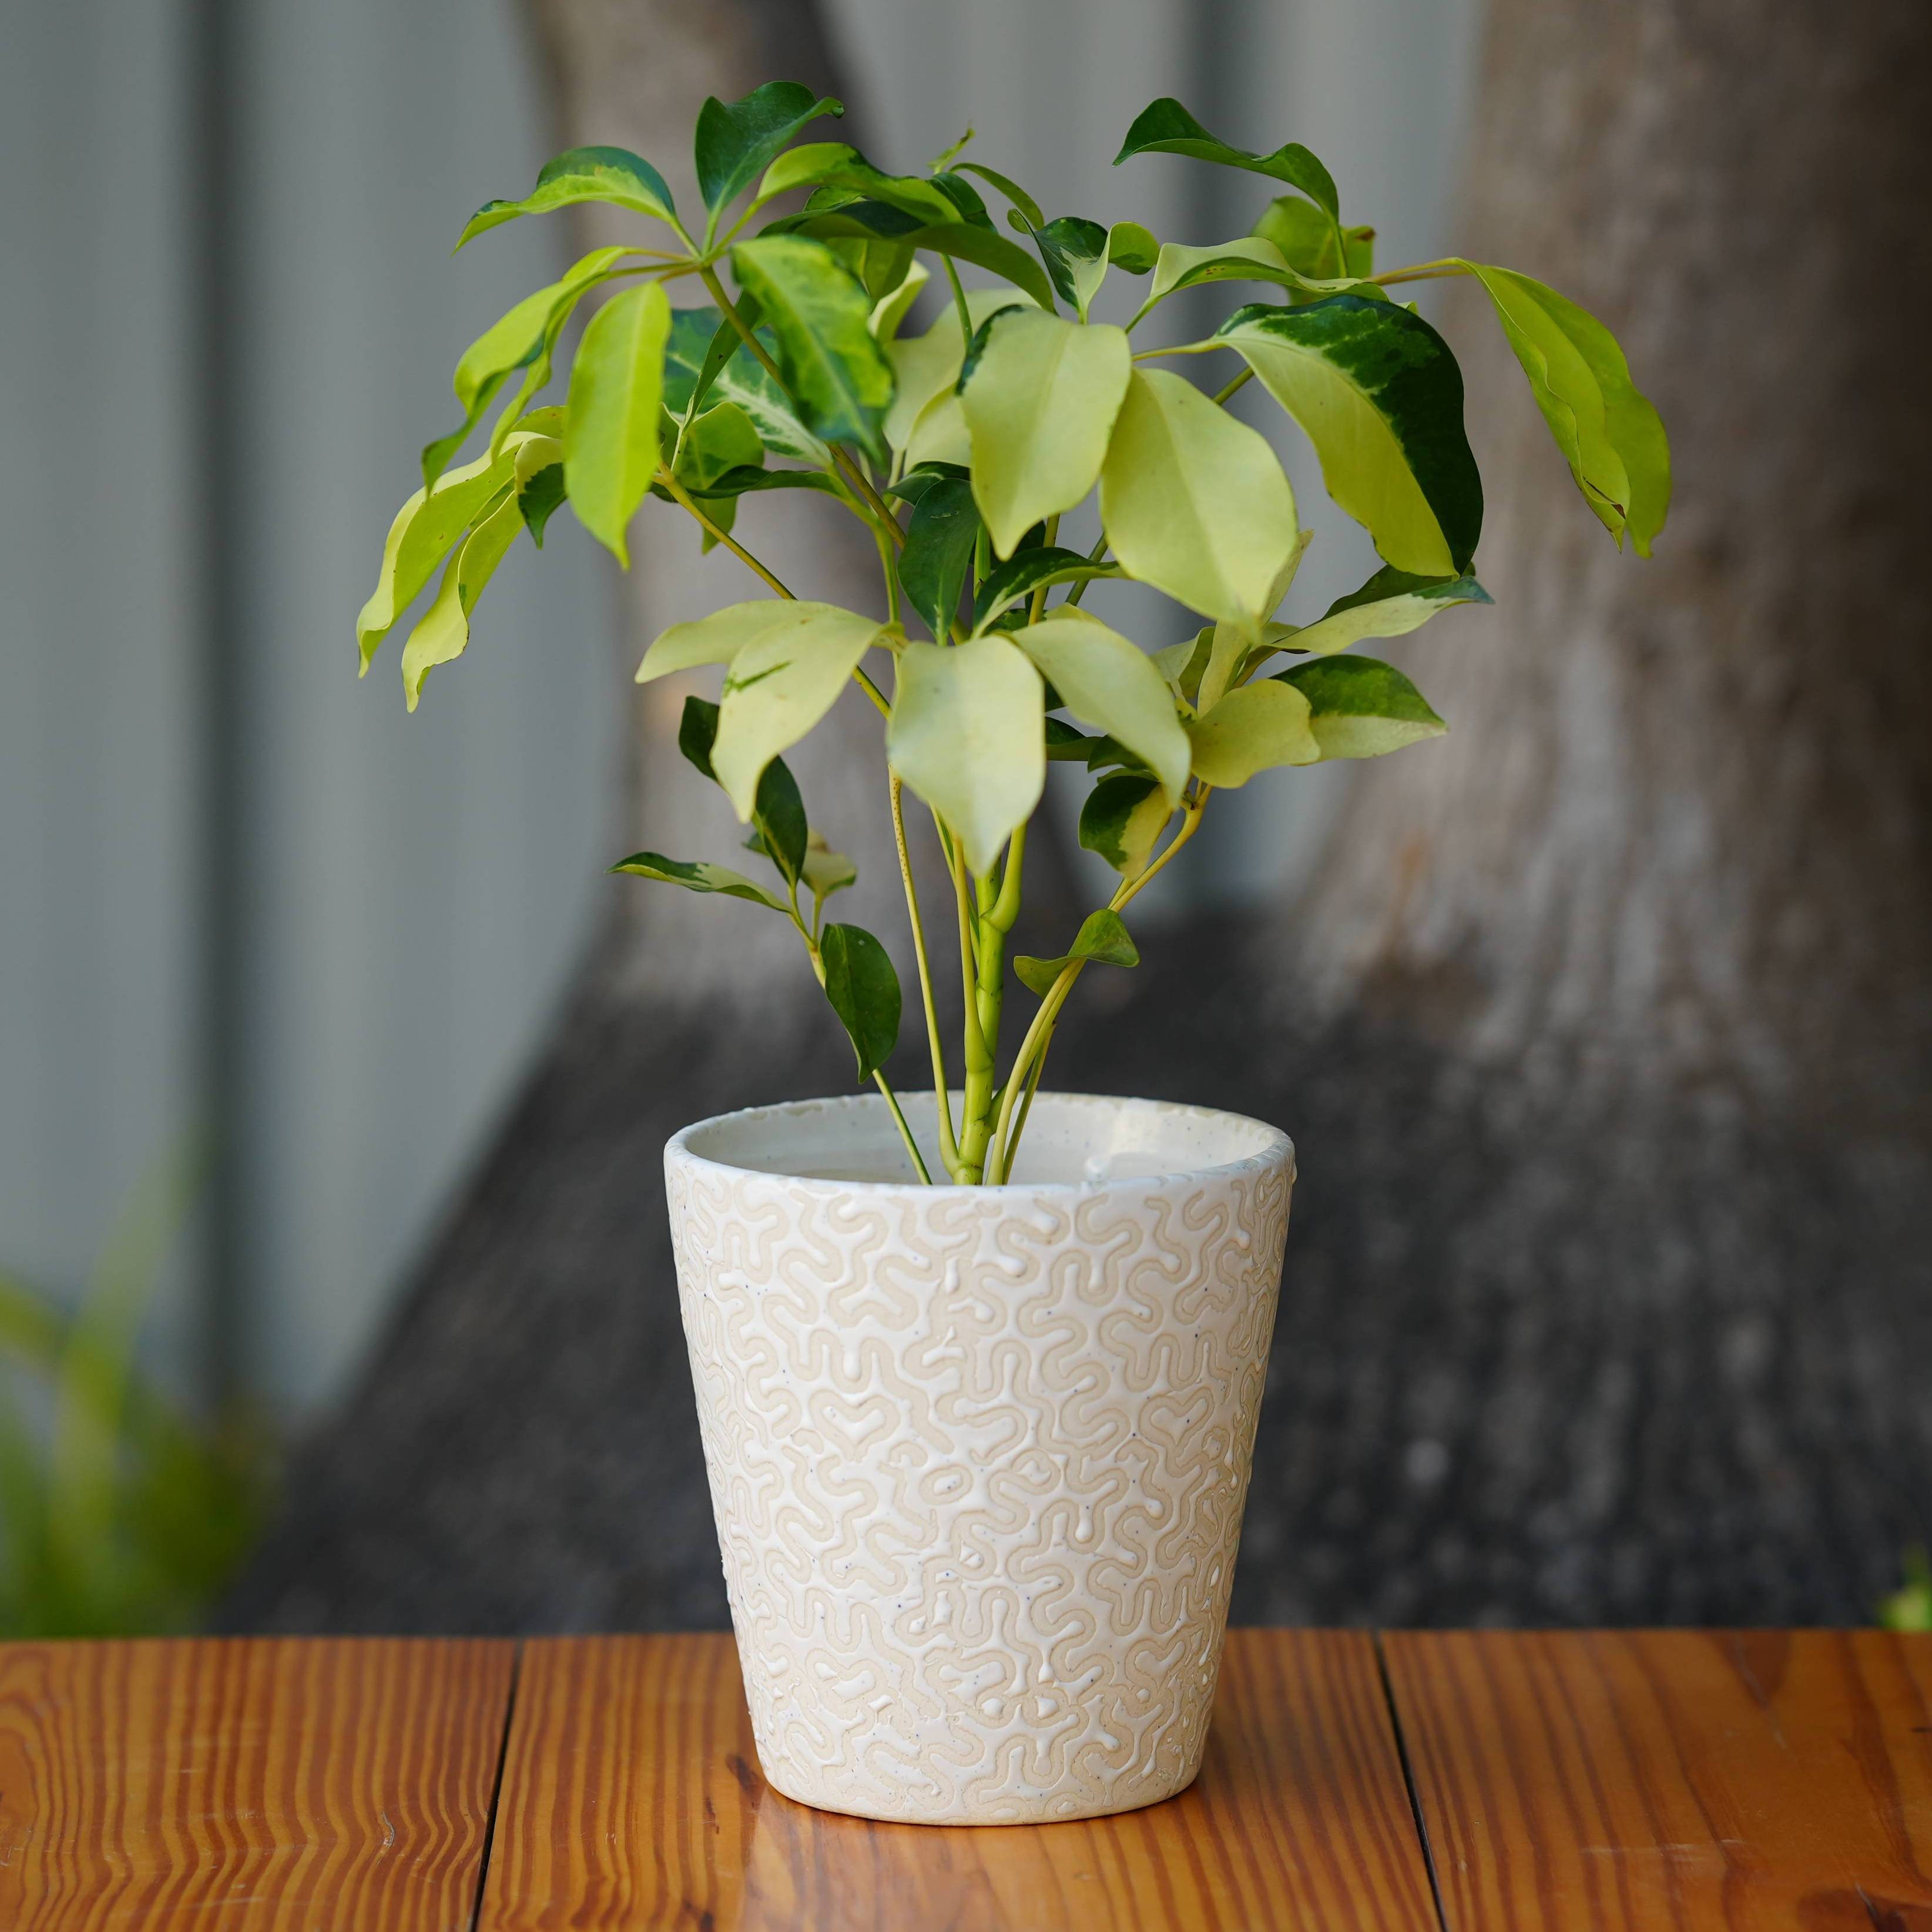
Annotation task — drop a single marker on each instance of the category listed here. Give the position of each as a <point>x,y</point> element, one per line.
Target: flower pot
<point>979,1456</point>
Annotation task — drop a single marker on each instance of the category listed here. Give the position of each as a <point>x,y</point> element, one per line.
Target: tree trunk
<point>1603,1033</point>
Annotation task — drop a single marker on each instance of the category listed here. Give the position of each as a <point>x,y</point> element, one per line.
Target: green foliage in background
<point>959,450</point>
<point>120,1515</point>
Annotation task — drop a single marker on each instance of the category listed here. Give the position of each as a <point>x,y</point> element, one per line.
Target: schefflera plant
<point>960,450</point>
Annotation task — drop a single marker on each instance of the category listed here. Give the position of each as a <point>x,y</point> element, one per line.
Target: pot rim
<point>1277,1149</point>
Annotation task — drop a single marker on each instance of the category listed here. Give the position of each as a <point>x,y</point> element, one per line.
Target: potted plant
<point>978,1370</point>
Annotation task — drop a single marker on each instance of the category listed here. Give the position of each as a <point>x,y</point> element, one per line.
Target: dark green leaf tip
<point>864,990</point>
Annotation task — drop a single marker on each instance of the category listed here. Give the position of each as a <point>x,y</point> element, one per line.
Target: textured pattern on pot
<point>979,1456</point>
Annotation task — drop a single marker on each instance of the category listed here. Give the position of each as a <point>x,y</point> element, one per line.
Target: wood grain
<point>1683,1779</point>
<point>632,1798</point>
<point>247,1783</point>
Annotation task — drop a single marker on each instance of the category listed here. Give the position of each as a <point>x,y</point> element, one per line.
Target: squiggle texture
<point>979,1460</point>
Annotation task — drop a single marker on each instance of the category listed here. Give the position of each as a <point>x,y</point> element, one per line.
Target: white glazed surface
<point>979,1456</point>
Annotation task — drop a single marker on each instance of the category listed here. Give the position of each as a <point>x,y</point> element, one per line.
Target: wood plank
<point>249,1783</point>
<point>1679,1778</point>
<point>632,1798</point>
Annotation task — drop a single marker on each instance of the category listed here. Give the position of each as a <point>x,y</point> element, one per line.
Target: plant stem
<point>731,543</point>
<point>1039,1035</point>
<point>979,1076</point>
<point>1422,271</point>
<point>949,1146</point>
<point>1094,555</point>
<point>905,1132</point>
<point>1234,383</point>
<point>1039,595</point>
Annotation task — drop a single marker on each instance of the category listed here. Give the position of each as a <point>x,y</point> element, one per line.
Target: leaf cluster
<point>960,447</point>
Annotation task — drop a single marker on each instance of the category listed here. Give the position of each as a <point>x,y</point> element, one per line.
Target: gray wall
<point>409,893</point>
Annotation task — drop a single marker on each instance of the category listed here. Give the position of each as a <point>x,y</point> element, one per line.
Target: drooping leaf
<point>937,562</point>
<point>1255,727</point>
<point>1102,678</point>
<point>736,141</point>
<point>864,990</point>
<point>785,671</point>
<point>1391,604</point>
<point>1102,938</point>
<point>1610,434</point>
<point>1122,820</point>
<point>1039,398</point>
<point>442,634</point>
<point>699,876</point>
<point>720,443</point>
<point>1306,237</point>
<point>778,816</point>
<point>743,480</point>
<point>1164,127</point>
<point>537,468</point>
<point>613,175</point>
<point>892,308</point>
<point>419,538</point>
<point>611,418</point>
<point>819,313</point>
<point>826,871</point>
<point>966,734</point>
<point>1132,248</point>
<point>1378,393</point>
<point>1027,571</point>
<point>1248,258</point>
<point>1066,744</point>
<point>706,357</point>
<point>1195,503</point>
<point>520,339</point>
<point>696,732</point>
<point>1028,208</point>
<point>915,483</point>
<point>1359,708</point>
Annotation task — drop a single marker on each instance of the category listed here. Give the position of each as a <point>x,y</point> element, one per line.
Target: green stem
<point>979,1075</point>
<point>1094,555</point>
<point>1229,388</point>
<point>1422,271</point>
<point>905,1132</point>
<point>959,303</point>
<point>724,537</point>
<point>1032,1054</point>
<point>942,1098</point>
<point>1039,595</point>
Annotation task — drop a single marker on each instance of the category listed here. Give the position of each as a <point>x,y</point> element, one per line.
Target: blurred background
<point>332,1068</point>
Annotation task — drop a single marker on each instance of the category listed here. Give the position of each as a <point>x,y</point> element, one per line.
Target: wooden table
<point>1679,1779</point>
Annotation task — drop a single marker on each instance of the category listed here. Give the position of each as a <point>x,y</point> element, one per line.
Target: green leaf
<point>1379,394</point>
<point>1610,435</point>
<point>1102,938</point>
<point>520,339</point>
<point>892,308</point>
<point>1358,708</point>
<point>1306,237</point>
<point>1248,258</point>
<point>1105,680</point>
<point>925,420</point>
<point>864,990</point>
<point>778,816</point>
<point>1028,208</point>
<point>614,175</point>
<point>419,538</point>
<point>743,480</point>
<point>1025,571</point>
<point>537,465</point>
<point>705,354</point>
<point>826,871</point>
<point>1039,400</point>
<point>722,440</point>
<point>819,313</point>
<point>1075,252</point>
<point>1065,744</point>
<point>1166,127</point>
<point>1121,821</point>
<point>937,562</point>
<point>787,661</point>
<point>442,634</point>
<point>700,878</point>
<point>967,733</point>
<point>610,419</point>
<point>1132,248</point>
<point>696,732</point>
<point>1184,664</point>
<point>1195,503</point>
<point>1255,727</point>
<point>833,164</point>
<point>1391,604</point>
<point>735,143</point>
<point>965,241</point>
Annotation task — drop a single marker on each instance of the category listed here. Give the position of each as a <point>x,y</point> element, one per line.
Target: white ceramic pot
<point>978,1455</point>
